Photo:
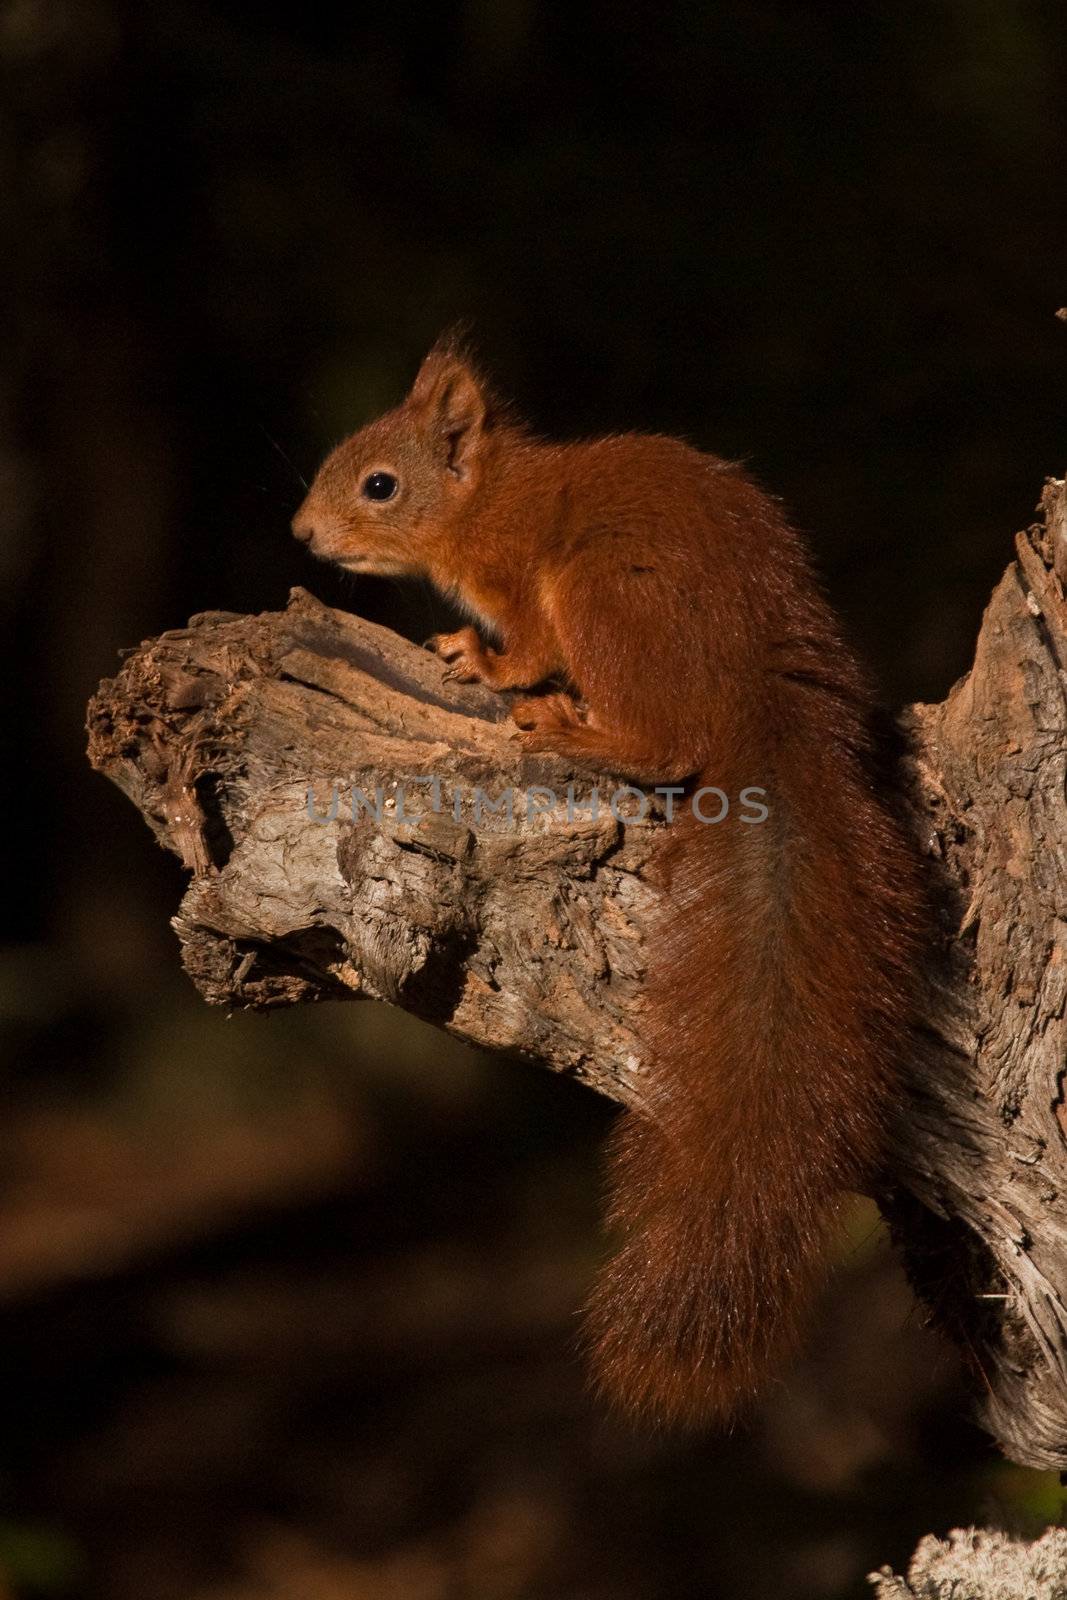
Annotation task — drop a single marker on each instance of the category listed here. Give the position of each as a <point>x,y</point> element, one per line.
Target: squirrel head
<point>382,499</point>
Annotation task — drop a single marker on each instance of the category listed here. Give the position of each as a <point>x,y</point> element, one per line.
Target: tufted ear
<point>448,398</point>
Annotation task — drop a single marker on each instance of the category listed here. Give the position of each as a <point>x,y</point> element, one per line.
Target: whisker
<point>271,440</point>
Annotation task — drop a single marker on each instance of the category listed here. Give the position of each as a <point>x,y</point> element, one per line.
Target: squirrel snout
<point>303,527</point>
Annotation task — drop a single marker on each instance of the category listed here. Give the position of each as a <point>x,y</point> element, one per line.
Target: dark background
<point>288,1303</point>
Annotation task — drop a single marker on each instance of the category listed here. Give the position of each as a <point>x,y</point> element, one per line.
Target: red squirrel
<point>674,599</point>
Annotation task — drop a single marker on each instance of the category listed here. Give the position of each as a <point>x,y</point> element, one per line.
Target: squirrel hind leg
<point>601,749</point>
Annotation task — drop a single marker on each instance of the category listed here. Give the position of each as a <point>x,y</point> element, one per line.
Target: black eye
<point>379,486</point>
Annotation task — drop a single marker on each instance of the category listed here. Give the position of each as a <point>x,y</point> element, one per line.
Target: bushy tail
<point>780,989</point>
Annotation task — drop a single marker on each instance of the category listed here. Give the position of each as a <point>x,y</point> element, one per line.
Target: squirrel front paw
<point>465,654</point>
<point>541,717</point>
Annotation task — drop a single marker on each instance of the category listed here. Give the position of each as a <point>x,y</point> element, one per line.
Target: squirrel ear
<point>448,397</point>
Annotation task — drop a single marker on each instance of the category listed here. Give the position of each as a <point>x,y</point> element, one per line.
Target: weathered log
<point>332,795</point>
<point>976,1564</point>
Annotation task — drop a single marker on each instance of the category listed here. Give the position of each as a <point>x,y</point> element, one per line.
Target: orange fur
<point>680,605</point>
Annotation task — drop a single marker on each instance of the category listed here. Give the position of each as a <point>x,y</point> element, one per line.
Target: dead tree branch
<point>525,932</point>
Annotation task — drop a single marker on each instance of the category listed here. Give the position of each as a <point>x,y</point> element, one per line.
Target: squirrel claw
<point>461,671</point>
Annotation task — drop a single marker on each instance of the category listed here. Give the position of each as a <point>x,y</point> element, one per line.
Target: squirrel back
<point>680,605</point>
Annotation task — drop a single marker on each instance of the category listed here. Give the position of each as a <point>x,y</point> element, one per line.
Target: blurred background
<point>287,1304</point>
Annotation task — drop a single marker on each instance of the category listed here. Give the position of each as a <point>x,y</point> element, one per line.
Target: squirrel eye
<point>380,486</point>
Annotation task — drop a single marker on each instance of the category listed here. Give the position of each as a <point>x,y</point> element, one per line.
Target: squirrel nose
<point>303,527</point>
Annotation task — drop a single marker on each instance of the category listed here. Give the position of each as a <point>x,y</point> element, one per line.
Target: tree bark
<point>330,793</point>
<point>975,1564</point>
